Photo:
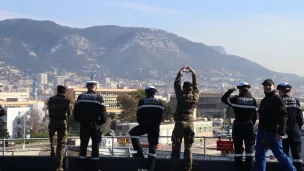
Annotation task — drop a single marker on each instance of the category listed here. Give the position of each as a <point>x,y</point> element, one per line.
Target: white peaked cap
<point>283,84</point>
<point>150,87</point>
<point>243,84</point>
<point>92,82</point>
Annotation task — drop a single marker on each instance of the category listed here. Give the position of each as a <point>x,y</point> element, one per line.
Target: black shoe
<point>138,155</point>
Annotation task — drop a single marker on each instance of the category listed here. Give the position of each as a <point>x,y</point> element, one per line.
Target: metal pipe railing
<point>112,149</point>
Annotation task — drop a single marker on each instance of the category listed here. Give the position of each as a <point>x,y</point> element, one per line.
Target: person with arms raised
<point>187,98</point>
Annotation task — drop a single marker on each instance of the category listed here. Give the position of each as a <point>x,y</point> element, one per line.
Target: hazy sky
<point>269,32</point>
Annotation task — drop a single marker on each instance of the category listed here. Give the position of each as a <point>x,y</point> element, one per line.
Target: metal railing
<point>33,142</point>
<point>203,147</point>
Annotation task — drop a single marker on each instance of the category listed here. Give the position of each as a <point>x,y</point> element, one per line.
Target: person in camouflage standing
<point>60,108</point>
<point>187,98</point>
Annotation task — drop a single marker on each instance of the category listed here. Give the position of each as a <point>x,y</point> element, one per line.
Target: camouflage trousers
<point>182,130</point>
<point>61,128</point>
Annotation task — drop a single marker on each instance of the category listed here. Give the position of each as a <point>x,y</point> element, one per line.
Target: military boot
<point>139,154</point>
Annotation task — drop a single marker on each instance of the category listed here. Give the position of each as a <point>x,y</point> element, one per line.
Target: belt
<point>242,122</point>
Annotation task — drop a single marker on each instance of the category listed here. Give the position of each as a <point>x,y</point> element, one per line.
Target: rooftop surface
<point>38,163</point>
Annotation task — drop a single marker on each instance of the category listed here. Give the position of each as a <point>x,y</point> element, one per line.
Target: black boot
<point>139,154</point>
<point>151,163</point>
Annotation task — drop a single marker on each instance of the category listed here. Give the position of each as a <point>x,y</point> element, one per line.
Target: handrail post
<point>204,147</point>
<point>3,146</point>
<point>112,146</point>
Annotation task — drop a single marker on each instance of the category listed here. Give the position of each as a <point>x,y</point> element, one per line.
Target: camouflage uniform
<point>186,103</point>
<point>59,111</point>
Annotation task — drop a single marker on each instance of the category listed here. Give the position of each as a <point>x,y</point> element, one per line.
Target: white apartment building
<point>42,78</point>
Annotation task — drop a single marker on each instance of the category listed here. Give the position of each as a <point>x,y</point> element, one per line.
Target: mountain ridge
<point>121,51</point>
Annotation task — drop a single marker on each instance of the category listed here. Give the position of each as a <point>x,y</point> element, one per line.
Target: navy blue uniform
<point>244,106</point>
<point>2,111</point>
<point>293,130</point>
<point>90,111</point>
<point>149,116</point>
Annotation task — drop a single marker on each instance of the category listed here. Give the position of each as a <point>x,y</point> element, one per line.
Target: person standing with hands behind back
<point>187,98</point>
<point>60,109</point>
<point>90,112</point>
<point>294,125</point>
<point>272,128</point>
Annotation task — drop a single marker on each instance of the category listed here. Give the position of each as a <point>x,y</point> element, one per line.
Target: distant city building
<point>23,90</point>
<point>114,84</point>
<point>14,96</point>
<point>109,96</point>
<point>42,78</point>
<point>21,103</point>
<point>15,116</point>
<point>208,104</point>
<point>201,128</point>
<point>59,80</point>
<point>16,124</point>
<point>107,82</point>
<point>25,82</point>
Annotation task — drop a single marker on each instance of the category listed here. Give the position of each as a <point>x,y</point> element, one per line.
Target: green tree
<point>169,110</point>
<point>128,104</point>
<point>3,131</point>
<point>106,127</point>
<point>113,116</point>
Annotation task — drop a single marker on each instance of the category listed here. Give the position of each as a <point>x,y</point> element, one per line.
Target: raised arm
<point>178,82</point>
<point>225,98</point>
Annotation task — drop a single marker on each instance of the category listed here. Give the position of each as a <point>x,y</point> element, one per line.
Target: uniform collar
<point>91,91</point>
<point>270,93</point>
<point>246,94</point>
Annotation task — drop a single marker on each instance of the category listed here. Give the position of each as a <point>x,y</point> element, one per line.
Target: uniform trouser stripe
<point>297,160</point>
<point>151,154</point>
<point>241,155</point>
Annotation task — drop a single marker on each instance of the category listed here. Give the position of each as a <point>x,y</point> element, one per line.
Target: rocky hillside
<point>121,51</point>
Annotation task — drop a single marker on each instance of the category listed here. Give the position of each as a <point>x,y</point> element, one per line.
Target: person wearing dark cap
<point>149,116</point>
<point>187,98</point>
<point>294,125</point>
<point>245,109</point>
<point>2,111</point>
<point>60,109</point>
<point>272,129</point>
<point>90,112</point>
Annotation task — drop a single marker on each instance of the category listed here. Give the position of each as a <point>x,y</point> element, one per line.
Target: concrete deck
<point>38,163</point>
